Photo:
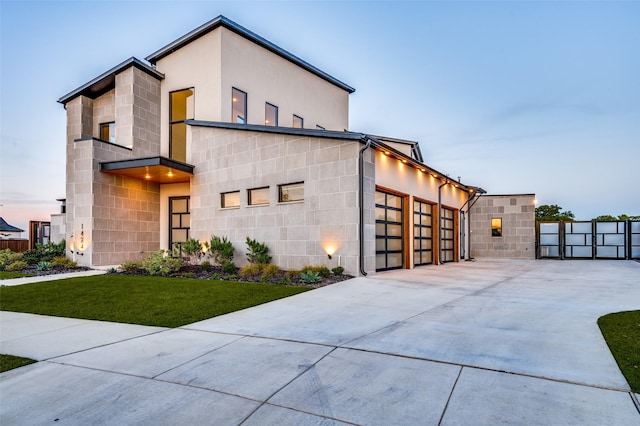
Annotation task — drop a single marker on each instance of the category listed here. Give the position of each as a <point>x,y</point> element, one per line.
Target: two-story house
<point>221,132</point>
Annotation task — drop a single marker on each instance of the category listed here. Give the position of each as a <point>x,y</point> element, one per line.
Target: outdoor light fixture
<point>329,256</point>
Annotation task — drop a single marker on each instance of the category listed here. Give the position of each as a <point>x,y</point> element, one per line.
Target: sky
<point>516,97</point>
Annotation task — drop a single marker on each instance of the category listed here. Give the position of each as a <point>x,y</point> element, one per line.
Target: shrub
<point>160,263</point>
<point>215,276</point>
<point>270,270</point>
<point>338,270</point>
<point>18,265</point>
<point>310,277</point>
<point>257,252</point>
<point>44,252</point>
<point>191,248</point>
<point>64,261</point>
<point>251,270</point>
<point>285,281</point>
<point>293,273</point>
<point>7,257</point>
<point>112,271</point>
<point>221,250</point>
<point>43,266</point>
<point>131,266</point>
<point>229,268</point>
<point>321,270</point>
<point>206,265</point>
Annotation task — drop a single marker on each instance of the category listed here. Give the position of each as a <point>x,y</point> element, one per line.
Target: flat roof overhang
<point>160,170</point>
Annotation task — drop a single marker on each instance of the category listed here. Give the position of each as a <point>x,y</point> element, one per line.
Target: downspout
<point>361,203</point>
<point>476,195</point>
<point>440,219</point>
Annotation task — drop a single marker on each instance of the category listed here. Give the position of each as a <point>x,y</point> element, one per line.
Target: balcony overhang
<point>152,169</point>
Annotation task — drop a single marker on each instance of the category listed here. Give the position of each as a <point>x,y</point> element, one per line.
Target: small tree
<point>220,250</point>
<point>191,248</point>
<point>552,213</point>
<point>257,252</point>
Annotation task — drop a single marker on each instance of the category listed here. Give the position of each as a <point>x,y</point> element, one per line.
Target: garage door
<point>422,233</point>
<point>389,231</point>
<point>447,226</point>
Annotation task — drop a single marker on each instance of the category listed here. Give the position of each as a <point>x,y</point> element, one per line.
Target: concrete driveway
<point>486,342</point>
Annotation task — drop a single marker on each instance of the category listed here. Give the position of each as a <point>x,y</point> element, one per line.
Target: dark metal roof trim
<point>4,226</point>
<point>106,81</point>
<point>144,162</point>
<point>222,21</point>
<point>331,134</point>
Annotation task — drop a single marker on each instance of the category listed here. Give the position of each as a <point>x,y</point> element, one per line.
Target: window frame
<point>496,231</point>
<point>173,122</point>
<point>319,127</point>
<point>301,122</point>
<point>281,194</point>
<point>250,202</point>
<point>108,125</point>
<point>222,200</point>
<point>182,214</point>
<point>245,98</point>
<point>267,105</point>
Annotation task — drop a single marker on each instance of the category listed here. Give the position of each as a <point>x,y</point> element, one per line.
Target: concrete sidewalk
<point>486,342</point>
<point>52,277</point>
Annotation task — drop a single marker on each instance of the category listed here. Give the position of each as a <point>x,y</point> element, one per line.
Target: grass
<point>4,275</point>
<point>622,333</point>
<point>9,362</point>
<point>144,300</point>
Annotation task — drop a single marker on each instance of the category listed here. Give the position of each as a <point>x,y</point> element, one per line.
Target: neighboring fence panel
<point>588,240</point>
<point>15,245</point>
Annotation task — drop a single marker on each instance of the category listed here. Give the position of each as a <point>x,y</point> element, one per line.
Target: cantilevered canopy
<point>152,169</point>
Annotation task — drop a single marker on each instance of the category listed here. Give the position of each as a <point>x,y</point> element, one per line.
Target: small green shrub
<point>257,252</point>
<point>191,248</point>
<point>215,276</point>
<point>285,281</point>
<point>63,261</point>
<point>188,275</point>
<point>160,263</point>
<point>310,277</point>
<point>7,257</point>
<point>250,270</point>
<point>18,265</point>
<point>232,277</point>
<point>270,271</point>
<point>206,265</point>
<point>112,270</point>
<point>220,250</point>
<point>131,266</point>
<point>322,270</point>
<point>44,252</point>
<point>43,266</point>
<point>229,268</point>
<point>338,270</point>
<point>293,273</point>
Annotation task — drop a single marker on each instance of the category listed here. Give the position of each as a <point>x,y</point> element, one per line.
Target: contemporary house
<point>221,132</point>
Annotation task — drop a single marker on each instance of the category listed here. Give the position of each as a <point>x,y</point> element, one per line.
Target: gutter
<point>361,202</point>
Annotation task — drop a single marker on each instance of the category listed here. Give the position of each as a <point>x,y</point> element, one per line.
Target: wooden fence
<point>15,245</point>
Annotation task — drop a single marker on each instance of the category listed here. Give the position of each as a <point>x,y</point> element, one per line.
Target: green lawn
<point>9,362</point>
<point>4,275</point>
<point>157,301</point>
<point>622,333</point>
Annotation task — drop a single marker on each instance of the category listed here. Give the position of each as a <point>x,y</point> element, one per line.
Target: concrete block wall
<point>518,226</point>
<point>297,233</point>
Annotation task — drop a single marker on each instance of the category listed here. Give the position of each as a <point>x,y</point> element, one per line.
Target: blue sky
<point>513,96</point>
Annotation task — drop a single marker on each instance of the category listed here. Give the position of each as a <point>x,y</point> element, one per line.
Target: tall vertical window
<point>298,122</point>
<point>181,105</point>
<point>238,106</point>
<point>179,220</point>
<point>496,227</point>
<point>422,233</point>
<point>108,132</point>
<point>270,114</point>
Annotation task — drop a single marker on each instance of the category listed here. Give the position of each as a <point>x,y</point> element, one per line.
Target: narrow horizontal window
<point>496,227</point>
<point>108,132</point>
<point>258,196</point>
<point>291,192</point>
<point>298,122</point>
<point>230,199</point>
<point>270,114</point>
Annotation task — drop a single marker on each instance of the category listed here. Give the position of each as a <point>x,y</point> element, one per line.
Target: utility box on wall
<point>503,227</point>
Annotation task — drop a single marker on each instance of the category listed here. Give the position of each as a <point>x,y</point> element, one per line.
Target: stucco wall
<point>518,226</point>
<point>297,233</point>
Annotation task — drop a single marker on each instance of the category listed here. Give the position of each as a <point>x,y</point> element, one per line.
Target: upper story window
<point>270,114</point>
<point>181,108</point>
<point>298,122</point>
<point>230,199</point>
<point>496,227</point>
<point>258,196</point>
<point>108,132</point>
<point>238,106</point>
<point>291,192</point>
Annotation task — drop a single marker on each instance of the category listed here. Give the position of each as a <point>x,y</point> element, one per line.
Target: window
<point>291,192</point>
<point>319,127</point>
<point>270,114</point>
<point>422,233</point>
<point>298,122</point>
<point>258,196</point>
<point>230,199</point>
<point>181,105</point>
<point>179,220</point>
<point>238,106</point>
<point>108,132</point>
<point>496,227</point>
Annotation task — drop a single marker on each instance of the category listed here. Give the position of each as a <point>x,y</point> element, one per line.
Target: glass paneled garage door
<point>389,231</point>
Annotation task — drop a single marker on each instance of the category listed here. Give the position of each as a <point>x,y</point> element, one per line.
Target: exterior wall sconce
<point>329,256</point>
